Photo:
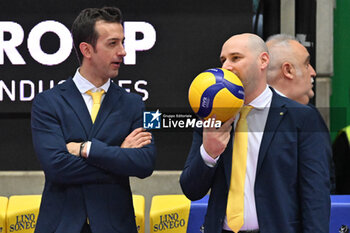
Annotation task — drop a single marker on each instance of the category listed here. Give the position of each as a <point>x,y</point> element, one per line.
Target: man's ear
<point>265,59</point>
<point>85,49</point>
<point>288,70</point>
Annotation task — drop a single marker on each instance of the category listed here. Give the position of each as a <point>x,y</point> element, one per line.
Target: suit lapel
<point>276,113</point>
<point>72,96</point>
<point>227,157</point>
<point>109,102</point>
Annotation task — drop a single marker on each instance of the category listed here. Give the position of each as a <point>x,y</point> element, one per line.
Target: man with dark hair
<point>83,28</point>
<point>88,138</point>
<point>268,175</point>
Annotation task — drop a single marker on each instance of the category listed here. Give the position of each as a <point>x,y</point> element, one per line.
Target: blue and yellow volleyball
<point>216,91</point>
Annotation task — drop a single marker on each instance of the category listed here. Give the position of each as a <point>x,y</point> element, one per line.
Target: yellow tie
<point>96,98</point>
<point>235,201</point>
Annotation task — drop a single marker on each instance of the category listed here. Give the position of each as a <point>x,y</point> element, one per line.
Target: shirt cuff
<point>208,160</point>
<point>88,146</point>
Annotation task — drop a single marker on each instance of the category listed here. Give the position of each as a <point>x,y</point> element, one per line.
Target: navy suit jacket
<point>98,187</point>
<point>328,147</point>
<point>292,178</point>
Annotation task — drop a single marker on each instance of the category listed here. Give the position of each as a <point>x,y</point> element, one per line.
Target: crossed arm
<point>135,157</point>
<point>136,139</point>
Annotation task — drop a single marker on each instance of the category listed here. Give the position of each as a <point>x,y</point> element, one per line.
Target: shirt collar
<point>263,100</point>
<point>280,93</point>
<point>84,85</point>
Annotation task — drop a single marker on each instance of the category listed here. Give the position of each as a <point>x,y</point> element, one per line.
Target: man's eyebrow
<point>230,54</point>
<point>307,60</point>
<point>235,53</point>
<point>116,38</point>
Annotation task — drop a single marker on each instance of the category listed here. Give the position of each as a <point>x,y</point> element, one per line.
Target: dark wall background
<point>189,36</point>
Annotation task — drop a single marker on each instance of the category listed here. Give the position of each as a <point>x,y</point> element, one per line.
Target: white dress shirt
<point>256,124</point>
<point>83,86</point>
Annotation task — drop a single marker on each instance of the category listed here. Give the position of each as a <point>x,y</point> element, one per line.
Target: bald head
<point>246,55</point>
<point>252,41</point>
<point>281,50</point>
<point>290,71</point>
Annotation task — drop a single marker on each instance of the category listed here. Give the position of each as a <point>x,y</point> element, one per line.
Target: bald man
<point>290,71</point>
<point>282,184</point>
<point>291,74</point>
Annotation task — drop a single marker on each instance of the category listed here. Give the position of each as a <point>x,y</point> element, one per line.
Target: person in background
<point>270,174</point>
<point>291,75</point>
<point>88,136</point>
<point>341,157</point>
<point>290,72</point>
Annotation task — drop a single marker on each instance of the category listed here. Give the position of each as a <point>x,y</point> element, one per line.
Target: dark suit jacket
<point>292,179</point>
<point>98,187</point>
<point>328,147</point>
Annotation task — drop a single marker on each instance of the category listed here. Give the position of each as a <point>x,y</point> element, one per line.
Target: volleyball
<point>216,91</point>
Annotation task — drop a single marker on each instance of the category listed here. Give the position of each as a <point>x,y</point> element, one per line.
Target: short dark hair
<point>83,28</point>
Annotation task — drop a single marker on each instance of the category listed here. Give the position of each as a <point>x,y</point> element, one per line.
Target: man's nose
<point>226,65</point>
<point>313,72</point>
<point>122,52</point>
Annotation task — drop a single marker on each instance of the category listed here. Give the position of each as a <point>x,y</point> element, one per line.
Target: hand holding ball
<point>216,92</point>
